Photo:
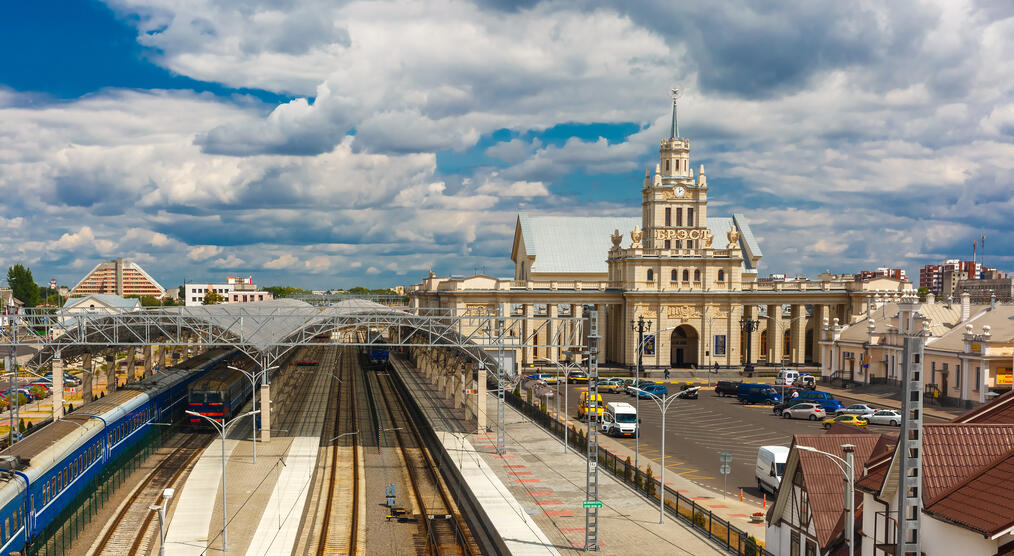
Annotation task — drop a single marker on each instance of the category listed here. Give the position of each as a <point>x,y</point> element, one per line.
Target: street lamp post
<point>167,494</point>
<point>222,428</point>
<point>847,466</point>
<point>748,326</point>
<point>663,406</point>
<point>253,389</point>
<point>640,326</point>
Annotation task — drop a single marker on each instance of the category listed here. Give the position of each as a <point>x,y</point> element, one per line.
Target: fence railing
<point>677,505</point>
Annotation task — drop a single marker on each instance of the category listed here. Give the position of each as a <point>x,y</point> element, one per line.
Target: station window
<point>667,244</point>
<point>679,216</point>
<point>697,276</point>
<point>686,275</point>
<point>721,275</point>
<point>690,216</point>
<point>651,275</point>
<point>672,276</point>
<point>668,216</point>
<point>667,165</point>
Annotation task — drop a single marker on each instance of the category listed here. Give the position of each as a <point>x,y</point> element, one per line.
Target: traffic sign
<point>591,504</point>
<point>725,457</point>
<point>725,469</point>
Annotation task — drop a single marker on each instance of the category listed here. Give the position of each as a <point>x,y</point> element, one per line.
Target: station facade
<point>689,275</point>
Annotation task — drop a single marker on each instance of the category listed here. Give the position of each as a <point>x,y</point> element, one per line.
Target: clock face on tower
<point>680,191</point>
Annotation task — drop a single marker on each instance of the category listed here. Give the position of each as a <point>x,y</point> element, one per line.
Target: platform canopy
<point>263,330</point>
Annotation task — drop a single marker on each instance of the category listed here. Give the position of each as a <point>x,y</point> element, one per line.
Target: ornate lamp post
<point>641,326</point>
<point>748,326</point>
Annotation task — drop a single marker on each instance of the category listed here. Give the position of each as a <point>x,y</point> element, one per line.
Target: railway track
<point>132,530</point>
<point>335,522</point>
<point>442,527</point>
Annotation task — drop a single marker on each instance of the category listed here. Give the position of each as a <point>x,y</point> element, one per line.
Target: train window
<point>214,397</point>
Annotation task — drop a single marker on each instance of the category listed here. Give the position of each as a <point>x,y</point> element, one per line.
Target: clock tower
<point>673,203</point>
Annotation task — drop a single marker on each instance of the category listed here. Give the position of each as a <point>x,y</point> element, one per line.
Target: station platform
<point>533,494</point>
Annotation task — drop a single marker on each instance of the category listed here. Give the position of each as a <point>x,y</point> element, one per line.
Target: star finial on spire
<point>674,132</point>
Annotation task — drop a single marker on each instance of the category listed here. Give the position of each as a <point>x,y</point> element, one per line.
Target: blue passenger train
<point>218,395</point>
<point>46,471</point>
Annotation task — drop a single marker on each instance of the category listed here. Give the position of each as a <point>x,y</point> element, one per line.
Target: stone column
<point>818,317</point>
<point>458,384</point>
<point>265,405</point>
<point>798,348</point>
<point>57,387</point>
<point>86,378</point>
<point>480,401</point>
<point>577,311</point>
<point>527,327</point>
<point>553,332</point>
<point>148,363</point>
<point>131,371</point>
<point>111,383</point>
<point>775,335</point>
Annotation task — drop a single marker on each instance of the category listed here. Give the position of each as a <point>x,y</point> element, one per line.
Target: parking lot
<point>697,431</point>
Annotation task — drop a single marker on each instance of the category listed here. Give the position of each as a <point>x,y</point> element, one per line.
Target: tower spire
<point>674,132</point>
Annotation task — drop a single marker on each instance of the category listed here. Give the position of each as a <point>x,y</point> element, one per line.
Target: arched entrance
<point>683,346</point>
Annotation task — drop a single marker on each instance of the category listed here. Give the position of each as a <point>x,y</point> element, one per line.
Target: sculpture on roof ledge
<point>733,236</point>
<point>635,237</point>
<point>617,238</point>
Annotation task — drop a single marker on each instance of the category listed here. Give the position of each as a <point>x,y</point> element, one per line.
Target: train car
<point>44,473</point>
<point>218,395</point>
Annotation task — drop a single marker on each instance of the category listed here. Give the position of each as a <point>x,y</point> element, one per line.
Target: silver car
<point>884,417</point>
<point>857,409</point>
<point>809,411</point>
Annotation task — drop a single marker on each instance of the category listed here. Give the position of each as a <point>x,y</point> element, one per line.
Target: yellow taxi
<point>854,420</point>
<point>589,406</point>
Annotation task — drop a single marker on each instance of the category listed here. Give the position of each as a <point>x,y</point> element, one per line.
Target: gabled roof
<point>953,451</point>
<point>572,244</point>
<point>982,501</point>
<point>1000,410</point>
<point>1000,320</point>
<point>823,479</point>
<point>110,300</point>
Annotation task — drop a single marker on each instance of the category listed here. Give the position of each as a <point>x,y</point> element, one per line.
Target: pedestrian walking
<point>667,374</point>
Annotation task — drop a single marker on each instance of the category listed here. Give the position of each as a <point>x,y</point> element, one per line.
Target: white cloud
<point>229,261</point>
<point>203,252</point>
<point>282,262</point>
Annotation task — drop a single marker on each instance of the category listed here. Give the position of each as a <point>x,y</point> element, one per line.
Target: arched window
<point>697,276</point>
<point>686,275</point>
<point>651,275</point>
<point>673,275</point>
<point>721,275</point>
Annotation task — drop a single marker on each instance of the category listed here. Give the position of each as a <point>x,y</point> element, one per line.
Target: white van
<point>619,419</point>
<point>786,377</point>
<point>770,467</point>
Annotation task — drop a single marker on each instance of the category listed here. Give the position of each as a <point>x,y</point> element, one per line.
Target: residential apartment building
<point>233,290</point>
<point>119,277</point>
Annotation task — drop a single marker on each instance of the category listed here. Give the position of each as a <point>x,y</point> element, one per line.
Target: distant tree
<point>284,291</point>
<point>19,277</point>
<point>213,298</point>
<point>51,296</point>
<point>923,291</point>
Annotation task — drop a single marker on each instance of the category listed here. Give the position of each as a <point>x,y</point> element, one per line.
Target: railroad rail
<point>132,531</point>
<point>443,530</point>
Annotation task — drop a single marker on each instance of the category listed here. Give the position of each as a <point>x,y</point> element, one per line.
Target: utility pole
<point>592,503</point>
<point>910,439</point>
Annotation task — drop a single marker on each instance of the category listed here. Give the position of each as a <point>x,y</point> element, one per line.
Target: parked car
<point>608,385</point>
<point>786,377</point>
<point>770,467</point>
<point>806,381</point>
<point>779,407</point>
<point>619,419</point>
<point>659,390</point>
<point>726,388</point>
<point>757,393</point>
<point>575,377</point>
<point>688,391</point>
<point>642,384</point>
<point>825,400</point>
<point>857,409</point>
<point>885,417</point>
<point>805,410</point>
<point>847,419</point>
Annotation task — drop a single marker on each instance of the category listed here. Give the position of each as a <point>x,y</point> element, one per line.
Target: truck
<point>589,406</point>
<point>619,419</point>
<point>770,467</point>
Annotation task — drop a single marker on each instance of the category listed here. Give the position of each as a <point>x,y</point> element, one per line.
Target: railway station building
<point>687,272</point>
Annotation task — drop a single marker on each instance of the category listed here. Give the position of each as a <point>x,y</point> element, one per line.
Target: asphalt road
<point>697,431</point>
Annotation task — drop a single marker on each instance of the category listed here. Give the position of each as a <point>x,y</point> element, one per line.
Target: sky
<point>325,144</point>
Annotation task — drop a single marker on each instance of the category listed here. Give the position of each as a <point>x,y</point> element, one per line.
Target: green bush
<point>21,426</point>
<point>649,482</point>
<point>751,547</point>
<point>628,470</point>
<point>700,519</point>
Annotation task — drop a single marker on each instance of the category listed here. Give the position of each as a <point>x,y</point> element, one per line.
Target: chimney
<point>930,298</point>
<point>966,309</point>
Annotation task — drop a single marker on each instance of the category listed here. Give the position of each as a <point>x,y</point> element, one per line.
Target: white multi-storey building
<point>234,290</point>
